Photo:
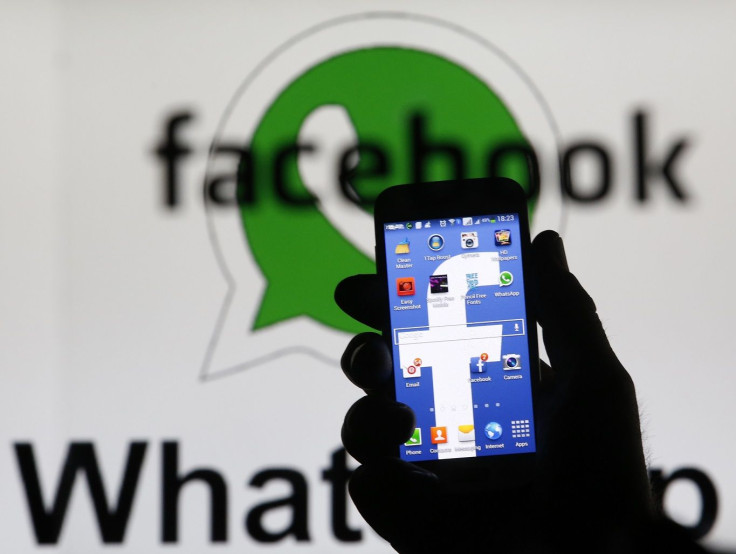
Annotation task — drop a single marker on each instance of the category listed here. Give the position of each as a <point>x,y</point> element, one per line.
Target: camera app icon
<point>469,240</point>
<point>511,362</point>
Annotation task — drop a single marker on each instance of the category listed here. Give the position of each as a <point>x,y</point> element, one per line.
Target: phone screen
<point>459,335</point>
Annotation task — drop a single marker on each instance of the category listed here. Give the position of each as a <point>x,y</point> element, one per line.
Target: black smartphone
<point>454,257</point>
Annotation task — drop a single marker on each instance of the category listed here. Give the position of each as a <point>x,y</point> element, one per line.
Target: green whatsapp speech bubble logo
<point>301,254</point>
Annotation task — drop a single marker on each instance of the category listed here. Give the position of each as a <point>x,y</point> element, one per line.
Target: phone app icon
<point>469,240</point>
<point>415,439</point>
<point>402,247</point>
<point>436,242</point>
<point>493,430</point>
<point>405,286</point>
<point>411,371</point>
<point>505,278</point>
<point>478,364</point>
<point>465,433</point>
<point>438,435</point>
<point>511,361</point>
<point>503,237</point>
<point>438,284</point>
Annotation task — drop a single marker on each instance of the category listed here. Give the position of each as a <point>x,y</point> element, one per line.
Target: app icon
<point>417,361</point>
<point>415,439</point>
<point>438,283</point>
<point>467,221</point>
<point>493,430</point>
<point>405,286</point>
<point>484,357</point>
<point>520,428</point>
<point>436,242</point>
<point>469,240</point>
<point>503,237</point>
<point>465,433</point>
<point>471,279</point>
<point>511,361</point>
<point>402,247</point>
<point>411,371</point>
<point>505,278</point>
<point>477,365</point>
<point>439,435</point>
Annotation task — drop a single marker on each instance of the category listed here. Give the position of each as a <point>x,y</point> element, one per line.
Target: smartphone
<point>454,257</point>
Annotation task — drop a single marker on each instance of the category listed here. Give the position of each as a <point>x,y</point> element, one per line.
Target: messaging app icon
<point>415,439</point>
<point>466,433</point>
<point>402,247</point>
<point>505,278</point>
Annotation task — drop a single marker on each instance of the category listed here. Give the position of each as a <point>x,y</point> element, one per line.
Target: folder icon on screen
<point>466,433</point>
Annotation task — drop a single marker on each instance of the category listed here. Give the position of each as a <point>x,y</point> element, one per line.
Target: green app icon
<point>400,100</point>
<point>505,278</point>
<point>416,438</point>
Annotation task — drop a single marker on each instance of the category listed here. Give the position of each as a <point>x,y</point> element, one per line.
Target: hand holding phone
<point>463,340</point>
<point>589,485</point>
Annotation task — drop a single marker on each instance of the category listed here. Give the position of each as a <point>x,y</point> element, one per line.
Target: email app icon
<point>466,433</point>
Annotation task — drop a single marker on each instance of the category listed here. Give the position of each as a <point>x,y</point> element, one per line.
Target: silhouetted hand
<point>590,490</point>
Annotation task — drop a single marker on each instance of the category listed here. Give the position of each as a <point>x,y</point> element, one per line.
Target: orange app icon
<point>417,361</point>
<point>484,357</point>
<point>405,286</point>
<point>439,435</point>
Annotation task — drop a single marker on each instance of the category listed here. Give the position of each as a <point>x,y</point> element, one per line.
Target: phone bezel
<point>467,197</point>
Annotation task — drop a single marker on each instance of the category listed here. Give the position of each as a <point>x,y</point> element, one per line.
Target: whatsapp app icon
<point>403,102</point>
<point>326,122</point>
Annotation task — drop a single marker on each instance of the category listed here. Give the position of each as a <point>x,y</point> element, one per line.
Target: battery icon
<point>493,220</point>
